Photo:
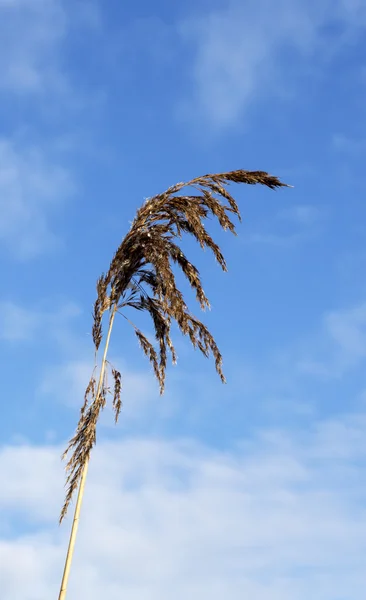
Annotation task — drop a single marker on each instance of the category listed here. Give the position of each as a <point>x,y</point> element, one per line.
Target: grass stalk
<point>75,522</point>
<point>140,276</point>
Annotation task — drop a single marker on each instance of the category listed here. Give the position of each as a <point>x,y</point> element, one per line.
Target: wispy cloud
<point>64,376</point>
<point>34,182</point>
<point>30,33</point>
<point>32,189</point>
<point>66,381</point>
<point>277,240</point>
<point>290,384</point>
<point>290,227</point>
<point>279,517</point>
<point>20,323</point>
<point>302,214</point>
<point>16,323</point>
<point>348,145</point>
<point>239,51</point>
<point>340,346</point>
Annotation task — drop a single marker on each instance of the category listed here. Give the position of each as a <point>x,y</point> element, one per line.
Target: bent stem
<point>145,259</point>
<point>75,523</point>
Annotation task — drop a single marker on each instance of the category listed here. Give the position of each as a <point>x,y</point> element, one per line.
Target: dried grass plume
<point>140,276</point>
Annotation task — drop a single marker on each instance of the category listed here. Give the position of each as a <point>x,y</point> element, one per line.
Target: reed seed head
<point>140,276</point>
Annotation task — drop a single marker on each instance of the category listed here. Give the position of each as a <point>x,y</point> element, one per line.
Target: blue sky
<point>253,488</point>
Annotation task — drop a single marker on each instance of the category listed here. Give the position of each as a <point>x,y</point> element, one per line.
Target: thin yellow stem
<point>75,523</point>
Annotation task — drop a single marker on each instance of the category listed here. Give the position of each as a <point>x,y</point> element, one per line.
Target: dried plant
<point>140,276</point>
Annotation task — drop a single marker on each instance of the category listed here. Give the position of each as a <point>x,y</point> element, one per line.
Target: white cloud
<point>64,380</point>
<point>34,34</point>
<point>66,383</point>
<point>30,32</point>
<point>278,517</point>
<point>22,323</point>
<point>32,189</point>
<point>305,222</point>
<point>43,498</point>
<point>16,323</point>
<point>302,214</point>
<point>33,65</point>
<point>238,50</point>
<point>339,346</point>
<point>278,240</point>
<point>348,145</point>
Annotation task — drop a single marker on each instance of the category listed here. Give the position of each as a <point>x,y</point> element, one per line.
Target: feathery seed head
<point>140,276</point>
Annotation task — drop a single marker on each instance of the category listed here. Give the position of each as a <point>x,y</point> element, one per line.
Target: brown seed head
<point>140,276</point>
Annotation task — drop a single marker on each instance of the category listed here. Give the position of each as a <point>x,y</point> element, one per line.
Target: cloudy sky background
<point>256,488</point>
